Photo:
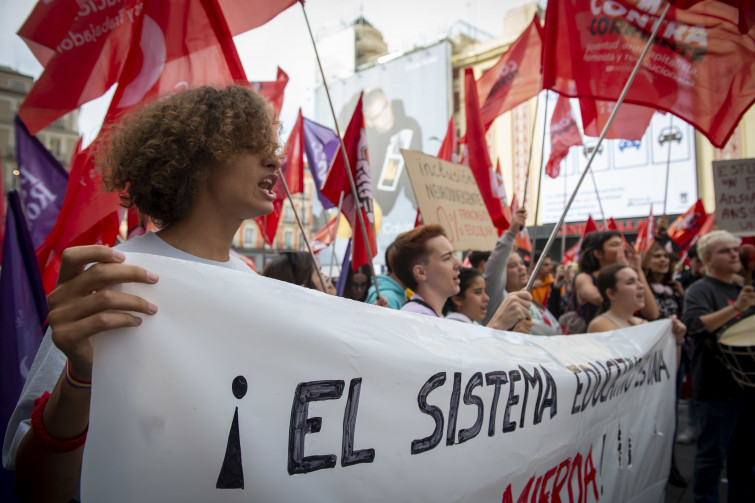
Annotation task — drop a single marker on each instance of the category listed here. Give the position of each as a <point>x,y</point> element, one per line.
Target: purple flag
<point>345,267</point>
<point>43,183</point>
<point>23,308</point>
<point>320,145</point>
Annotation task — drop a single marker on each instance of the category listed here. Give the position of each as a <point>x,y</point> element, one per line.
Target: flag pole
<point>592,175</point>
<point>597,195</point>
<point>603,133</point>
<point>301,227</point>
<point>540,170</point>
<point>354,192</point>
<point>525,199</point>
<point>563,231</point>
<point>335,234</point>
<point>668,163</point>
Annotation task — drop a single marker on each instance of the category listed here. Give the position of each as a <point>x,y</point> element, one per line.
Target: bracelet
<point>73,382</point>
<point>40,432</point>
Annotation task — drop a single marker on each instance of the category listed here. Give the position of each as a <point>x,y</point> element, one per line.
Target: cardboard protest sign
<point>734,185</point>
<point>448,195</point>
<point>244,388</point>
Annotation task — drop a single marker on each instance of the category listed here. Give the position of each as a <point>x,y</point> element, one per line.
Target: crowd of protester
<point>200,204</point>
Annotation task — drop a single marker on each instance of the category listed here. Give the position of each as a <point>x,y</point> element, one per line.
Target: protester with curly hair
<point>198,163</point>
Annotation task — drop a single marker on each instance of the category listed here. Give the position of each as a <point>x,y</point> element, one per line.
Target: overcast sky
<point>285,41</point>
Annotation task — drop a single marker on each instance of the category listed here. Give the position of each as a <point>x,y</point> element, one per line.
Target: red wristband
<point>40,432</point>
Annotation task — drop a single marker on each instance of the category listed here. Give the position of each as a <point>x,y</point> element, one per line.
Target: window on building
<point>288,214</point>
<point>288,240</point>
<point>15,84</point>
<point>250,237</point>
<point>55,147</point>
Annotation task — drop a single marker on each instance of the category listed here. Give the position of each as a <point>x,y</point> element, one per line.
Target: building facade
<point>59,138</point>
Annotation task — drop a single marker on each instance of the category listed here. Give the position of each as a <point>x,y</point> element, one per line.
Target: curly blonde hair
<point>158,157</point>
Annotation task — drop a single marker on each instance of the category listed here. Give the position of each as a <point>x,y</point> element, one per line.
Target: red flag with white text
<point>84,48</point>
<point>324,236</point>
<point>702,69</point>
<point>337,182</point>
<point>292,167</point>
<point>688,225</point>
<point>645,233</point>
<point>515,78</point>
<point>564,134</point>
<point>479,160</point>
<point>180,45</point>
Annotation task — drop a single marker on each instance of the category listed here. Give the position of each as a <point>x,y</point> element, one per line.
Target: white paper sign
<point>734,184</point>
<point>350,402</point>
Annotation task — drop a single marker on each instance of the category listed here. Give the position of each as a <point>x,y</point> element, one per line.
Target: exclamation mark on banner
<point>232,473</point>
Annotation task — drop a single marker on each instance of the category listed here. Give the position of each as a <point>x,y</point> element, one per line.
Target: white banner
<point>243,388</point>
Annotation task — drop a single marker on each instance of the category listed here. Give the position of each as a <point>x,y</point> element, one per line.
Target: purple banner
<point>320,145</point>
<point>43,183</point>
<point>23,308</point>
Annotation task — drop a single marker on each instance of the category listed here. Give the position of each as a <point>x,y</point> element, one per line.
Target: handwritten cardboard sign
<point>734,186</point>
<point>447,195</point>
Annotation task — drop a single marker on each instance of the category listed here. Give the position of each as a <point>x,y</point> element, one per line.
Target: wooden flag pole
<point>354,192</point>
<point>603,133</point>
<point>301,228</point>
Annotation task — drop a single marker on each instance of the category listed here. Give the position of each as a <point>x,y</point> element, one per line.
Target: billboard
<point>407,105</point>
<point>629,175</point>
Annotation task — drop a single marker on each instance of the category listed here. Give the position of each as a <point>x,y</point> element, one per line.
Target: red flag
<point>447,150</point>
<point>418,219</point>
<point>707,227</point>
<point>89,215</point>
<point>292,166</point>
<point>243,15</point>
<point>564,134</point>
<point>630,123</point>
<point>85,46</point>
<point>701,68</point>
<point>645,233</point>
<point>523,241</point>
<point>273,91</point>
<point>324,236</point>
<point>515,78</point>
<point>688,225</point>
<point>572,253</point>
<point>611,225</point>
<point>180,45</point>
<point>746,10</point>
<point>337,182</point>
<point>479,160</point>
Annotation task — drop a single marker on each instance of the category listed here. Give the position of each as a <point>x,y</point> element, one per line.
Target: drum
<point>737,344</point>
